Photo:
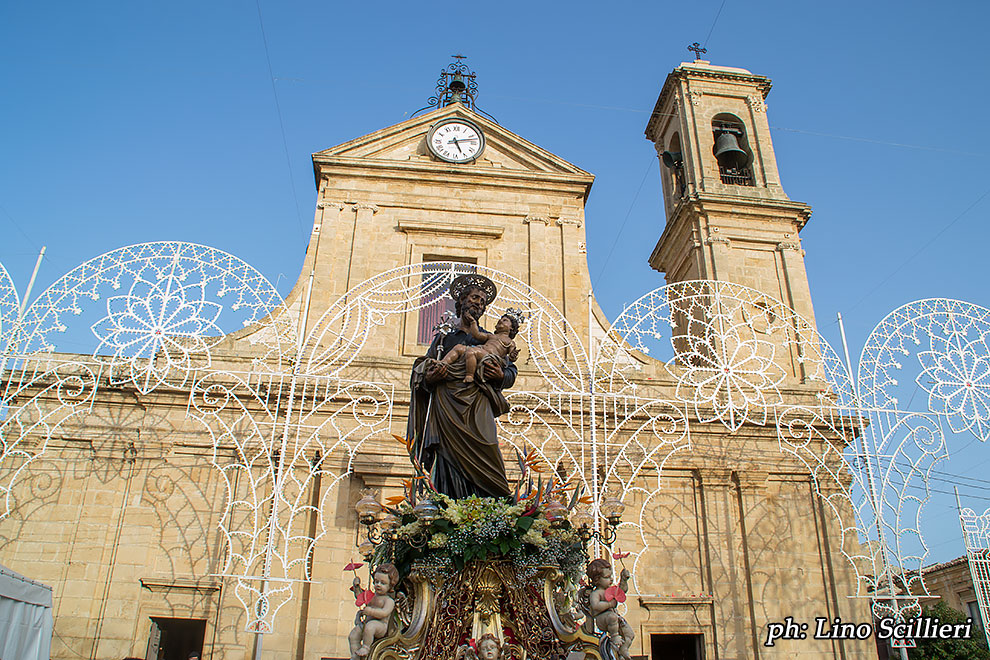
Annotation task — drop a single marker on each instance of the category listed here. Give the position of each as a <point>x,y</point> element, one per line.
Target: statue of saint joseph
<point>452,423</point>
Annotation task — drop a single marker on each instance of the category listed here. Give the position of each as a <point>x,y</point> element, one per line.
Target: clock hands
<point>457,142</point>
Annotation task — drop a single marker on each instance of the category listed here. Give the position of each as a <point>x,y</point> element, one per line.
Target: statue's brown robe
<point>456,432</point>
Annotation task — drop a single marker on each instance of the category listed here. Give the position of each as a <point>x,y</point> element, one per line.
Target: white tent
<point>25,617</point>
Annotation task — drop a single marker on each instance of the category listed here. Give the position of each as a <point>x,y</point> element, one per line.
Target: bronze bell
<point>727,151</point>
<point>456,84</point>
<point>672,159</point>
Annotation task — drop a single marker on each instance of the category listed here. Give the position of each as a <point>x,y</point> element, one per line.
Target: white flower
<point>156,329</point>
<point>731,372</point>
<point>535,537</point>
<point>957,379</point>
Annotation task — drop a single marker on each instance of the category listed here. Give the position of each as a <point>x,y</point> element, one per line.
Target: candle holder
<point>368,507</point>
<point>384,529</point>
<point>611,509</point>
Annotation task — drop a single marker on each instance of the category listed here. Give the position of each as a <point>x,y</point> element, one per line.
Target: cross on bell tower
<point>727,217</point>
<point>697,50</point>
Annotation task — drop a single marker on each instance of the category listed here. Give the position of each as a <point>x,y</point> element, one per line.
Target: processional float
<point>282,416</point>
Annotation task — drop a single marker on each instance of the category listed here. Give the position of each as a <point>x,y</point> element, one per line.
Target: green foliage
<point>974,648</point>
<point>483,529</point>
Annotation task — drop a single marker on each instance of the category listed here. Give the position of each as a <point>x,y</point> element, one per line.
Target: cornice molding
<point>682,73</point>
<point>445,174</point>
<point>713,477</point>
<point>762,83</point>
<point>167,584</point>
<point>753,480</point>
<point>700,203</point>
<point>461,230</point>
<point>663,601</point>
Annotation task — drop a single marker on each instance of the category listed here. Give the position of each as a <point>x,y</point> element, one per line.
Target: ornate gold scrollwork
<point>530,614</point>
<point>487,591</point>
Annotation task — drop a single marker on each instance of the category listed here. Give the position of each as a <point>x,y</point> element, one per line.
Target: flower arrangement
<point>483,528</point>
<point>530,530</point>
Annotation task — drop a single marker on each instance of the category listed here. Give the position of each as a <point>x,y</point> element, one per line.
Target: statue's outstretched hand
<point>436,372</point>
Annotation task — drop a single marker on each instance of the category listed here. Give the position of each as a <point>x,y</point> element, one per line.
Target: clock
<point>456,140</point>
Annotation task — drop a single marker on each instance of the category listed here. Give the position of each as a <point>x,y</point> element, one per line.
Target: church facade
<point>129,514</point>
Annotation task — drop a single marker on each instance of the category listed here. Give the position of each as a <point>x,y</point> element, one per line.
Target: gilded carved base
<point>521,613</point>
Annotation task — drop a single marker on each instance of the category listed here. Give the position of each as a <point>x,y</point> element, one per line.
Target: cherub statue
<point>486,648</point>
<point>599,600</point>
<point>371,622</point>
<point>498,344</point>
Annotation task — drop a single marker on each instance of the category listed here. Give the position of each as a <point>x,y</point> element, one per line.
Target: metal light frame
<point>291,417</point>
<point>976,532</point>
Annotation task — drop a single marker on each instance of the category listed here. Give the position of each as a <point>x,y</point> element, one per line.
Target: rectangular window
<point>677,647</point>
<point>434,299</point>
<point>974,612</point>
<point>175,639</point>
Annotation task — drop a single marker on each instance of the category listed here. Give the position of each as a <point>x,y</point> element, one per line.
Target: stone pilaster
<point>364,253</point>
<point>726,564</point>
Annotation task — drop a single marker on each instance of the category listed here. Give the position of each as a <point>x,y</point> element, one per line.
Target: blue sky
<point>132,122</point>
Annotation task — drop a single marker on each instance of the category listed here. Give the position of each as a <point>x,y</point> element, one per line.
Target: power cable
<point>880,142</point>
<point>976,465</point>
<point>281,124</point>
<point>801,131</point>
<point>948,492</point>
<point>18,227</point>
<point>717,14</point>
<point>624,221</point>
<point>922,248</point>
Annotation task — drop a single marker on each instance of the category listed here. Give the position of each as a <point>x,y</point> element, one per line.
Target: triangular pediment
<point>406,142</point>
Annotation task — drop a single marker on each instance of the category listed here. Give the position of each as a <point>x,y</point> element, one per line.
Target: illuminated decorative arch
<point>179,318</point>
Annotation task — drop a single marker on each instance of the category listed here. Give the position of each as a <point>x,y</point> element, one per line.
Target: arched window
<point>676,169</point>
<point>431,313</point>
<point>732,150</point>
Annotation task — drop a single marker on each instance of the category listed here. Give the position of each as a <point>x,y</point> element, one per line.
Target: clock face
<point>456,141</point>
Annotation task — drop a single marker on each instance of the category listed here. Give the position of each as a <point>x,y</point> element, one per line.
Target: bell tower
<point>727,217</point>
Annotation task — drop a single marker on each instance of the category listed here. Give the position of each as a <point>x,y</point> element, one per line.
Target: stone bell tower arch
<point>727,216</point>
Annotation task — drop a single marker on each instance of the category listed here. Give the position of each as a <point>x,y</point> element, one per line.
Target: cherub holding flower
<point>600,599</point>
<point>372,621</point>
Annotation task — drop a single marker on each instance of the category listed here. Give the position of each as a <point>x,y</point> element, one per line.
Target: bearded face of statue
<point>473,303</point>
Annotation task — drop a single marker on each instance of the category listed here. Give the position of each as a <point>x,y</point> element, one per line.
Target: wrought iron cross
<point>697,50</point>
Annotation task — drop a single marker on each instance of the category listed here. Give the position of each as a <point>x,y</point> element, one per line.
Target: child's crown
<point>516,315</point>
